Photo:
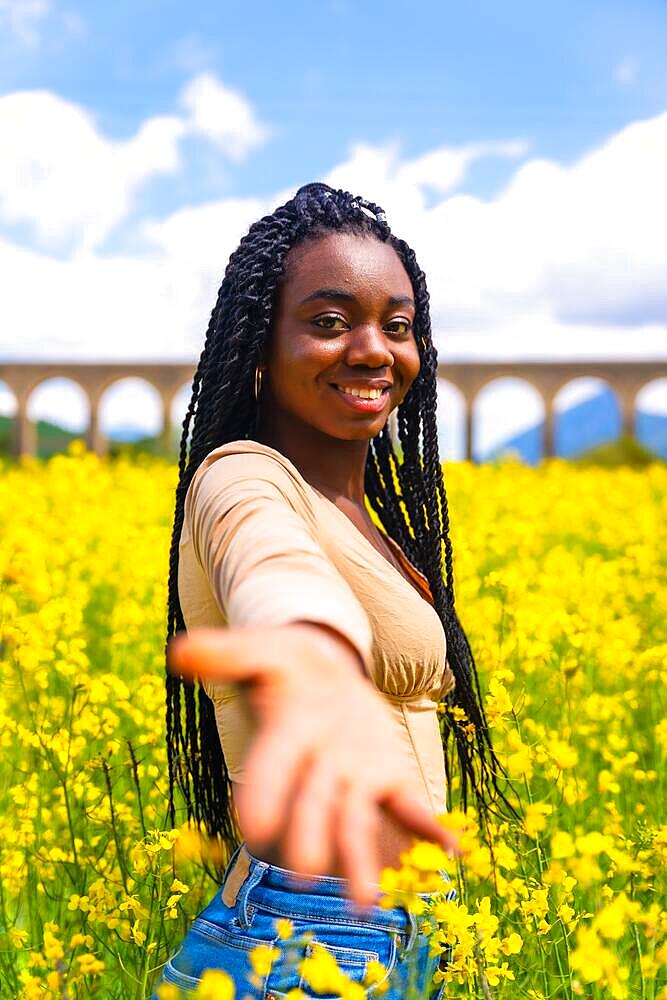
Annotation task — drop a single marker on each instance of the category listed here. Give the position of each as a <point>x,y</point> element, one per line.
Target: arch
<point>130,410</point>
<point>59,410</point>
<point>508,418</point>
<point>651,416</point>
<point>452,422</point>
<point>587,413</point>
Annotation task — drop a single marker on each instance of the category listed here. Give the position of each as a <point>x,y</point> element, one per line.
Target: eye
<point>326,320</point>
<point>401,322</point>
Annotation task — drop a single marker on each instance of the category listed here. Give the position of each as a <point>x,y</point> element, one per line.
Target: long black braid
<point>408,496</point>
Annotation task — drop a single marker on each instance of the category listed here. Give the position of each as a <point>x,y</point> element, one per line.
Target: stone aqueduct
<point>625,378</point>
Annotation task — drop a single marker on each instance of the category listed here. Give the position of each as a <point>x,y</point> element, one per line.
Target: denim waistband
<point>275,888</point>
<point>275,877</point>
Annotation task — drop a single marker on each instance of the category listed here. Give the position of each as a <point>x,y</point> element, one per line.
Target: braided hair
<point>408,497</point>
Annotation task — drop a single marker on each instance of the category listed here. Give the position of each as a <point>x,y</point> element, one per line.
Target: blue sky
<point>521,148</point>
<point>323,75</point>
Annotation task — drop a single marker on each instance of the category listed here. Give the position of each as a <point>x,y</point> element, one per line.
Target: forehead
<point>359,264</point>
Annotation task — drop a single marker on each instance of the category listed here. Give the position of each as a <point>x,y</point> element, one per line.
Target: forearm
<point>335,644</point>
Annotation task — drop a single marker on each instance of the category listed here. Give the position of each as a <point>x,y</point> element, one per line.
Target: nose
<point>369,346</point>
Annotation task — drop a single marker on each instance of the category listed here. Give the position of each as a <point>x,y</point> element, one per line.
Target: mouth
<point>374,404</point>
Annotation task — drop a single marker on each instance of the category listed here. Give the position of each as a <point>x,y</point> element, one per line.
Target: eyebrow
<point>340,293</point>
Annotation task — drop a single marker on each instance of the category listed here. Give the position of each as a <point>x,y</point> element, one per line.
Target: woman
<point>322,644</point>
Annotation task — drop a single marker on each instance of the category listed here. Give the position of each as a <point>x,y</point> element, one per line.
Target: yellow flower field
<point>561,585</point>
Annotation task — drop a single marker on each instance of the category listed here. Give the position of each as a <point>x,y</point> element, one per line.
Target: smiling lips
<point>366,399</point>
<point>366,393</point>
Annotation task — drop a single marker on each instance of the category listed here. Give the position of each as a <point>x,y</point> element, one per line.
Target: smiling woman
<point>322,643</point>
<point>334,345</point>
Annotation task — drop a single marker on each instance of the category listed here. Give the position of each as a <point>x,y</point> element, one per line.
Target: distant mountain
<point>594,422</point>
<point>127,432</point>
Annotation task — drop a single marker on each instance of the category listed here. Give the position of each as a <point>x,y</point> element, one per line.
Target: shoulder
<point>247,467</point>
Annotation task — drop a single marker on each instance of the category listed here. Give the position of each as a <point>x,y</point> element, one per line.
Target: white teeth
<point>364,393</point>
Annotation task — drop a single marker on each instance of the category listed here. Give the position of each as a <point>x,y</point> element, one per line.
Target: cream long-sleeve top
<point>260,545</point>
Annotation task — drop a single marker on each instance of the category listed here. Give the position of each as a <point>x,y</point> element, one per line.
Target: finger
<point>226,654</point>
<point>272,768</point>
<point>357,844</point>
<point>309,838</point>
<point>418,819</point>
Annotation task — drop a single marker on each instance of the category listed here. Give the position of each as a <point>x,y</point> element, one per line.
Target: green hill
<point>624,451</point>
<point>52,439</point>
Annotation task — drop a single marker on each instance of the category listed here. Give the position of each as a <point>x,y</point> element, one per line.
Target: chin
<point>366,433</point>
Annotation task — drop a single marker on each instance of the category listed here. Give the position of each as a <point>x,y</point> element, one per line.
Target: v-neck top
<point>260,545</point>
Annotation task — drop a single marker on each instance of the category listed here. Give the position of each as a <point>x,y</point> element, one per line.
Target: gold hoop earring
<point>258,382</point>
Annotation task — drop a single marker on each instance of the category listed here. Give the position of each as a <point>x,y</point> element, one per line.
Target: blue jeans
<point>243,914</point>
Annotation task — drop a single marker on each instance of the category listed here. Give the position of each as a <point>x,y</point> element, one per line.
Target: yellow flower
<point>284,928</point>
<point>320,970</point>
<point>262,958</point>
<point>17,937</point>
<point>608,783</point>
<point>167,991</point>
<point>562,845</point>
<point>534,819</point>
<point>495,973</point>
<point>611,921</point>
<point>563,754</point>
<point>215,985</point>
<point>561,574</point>
<point>376,976</point>
<point>89,964</point>
<point>138,936</point>
<point>512,944</point>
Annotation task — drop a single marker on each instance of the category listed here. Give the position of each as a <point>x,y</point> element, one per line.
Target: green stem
<point>137,784</point>
<point>638,949</point>
<point>119,849</point>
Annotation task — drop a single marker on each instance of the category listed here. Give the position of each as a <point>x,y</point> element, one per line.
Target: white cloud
<point>377,173</point>
<point>581,245</point>
<point>92,307</point>
<point>202,238</point>
<point>60,401</point>
<point>66,180</point>
<point>653,397</point>
<point>566,261</point>
<point>576,392</point>
<point>23,19</point>
<point>503,410</point>
<point>223,116</point>
<point>73,185</point>
<point>29,24</point>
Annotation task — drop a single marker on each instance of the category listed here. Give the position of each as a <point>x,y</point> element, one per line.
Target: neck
<point>333,466</point>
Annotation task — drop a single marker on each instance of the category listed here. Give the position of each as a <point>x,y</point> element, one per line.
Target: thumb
<point>229,654</point>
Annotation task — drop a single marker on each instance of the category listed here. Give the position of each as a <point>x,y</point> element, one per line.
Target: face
<point>344,320</point>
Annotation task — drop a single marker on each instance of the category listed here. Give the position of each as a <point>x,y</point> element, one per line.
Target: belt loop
<point>257,869</point>
<point>230,864</point>
<point>413,932</point>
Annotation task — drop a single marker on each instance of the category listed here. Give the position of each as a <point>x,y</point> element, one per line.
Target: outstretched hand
<point>318,717</point>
